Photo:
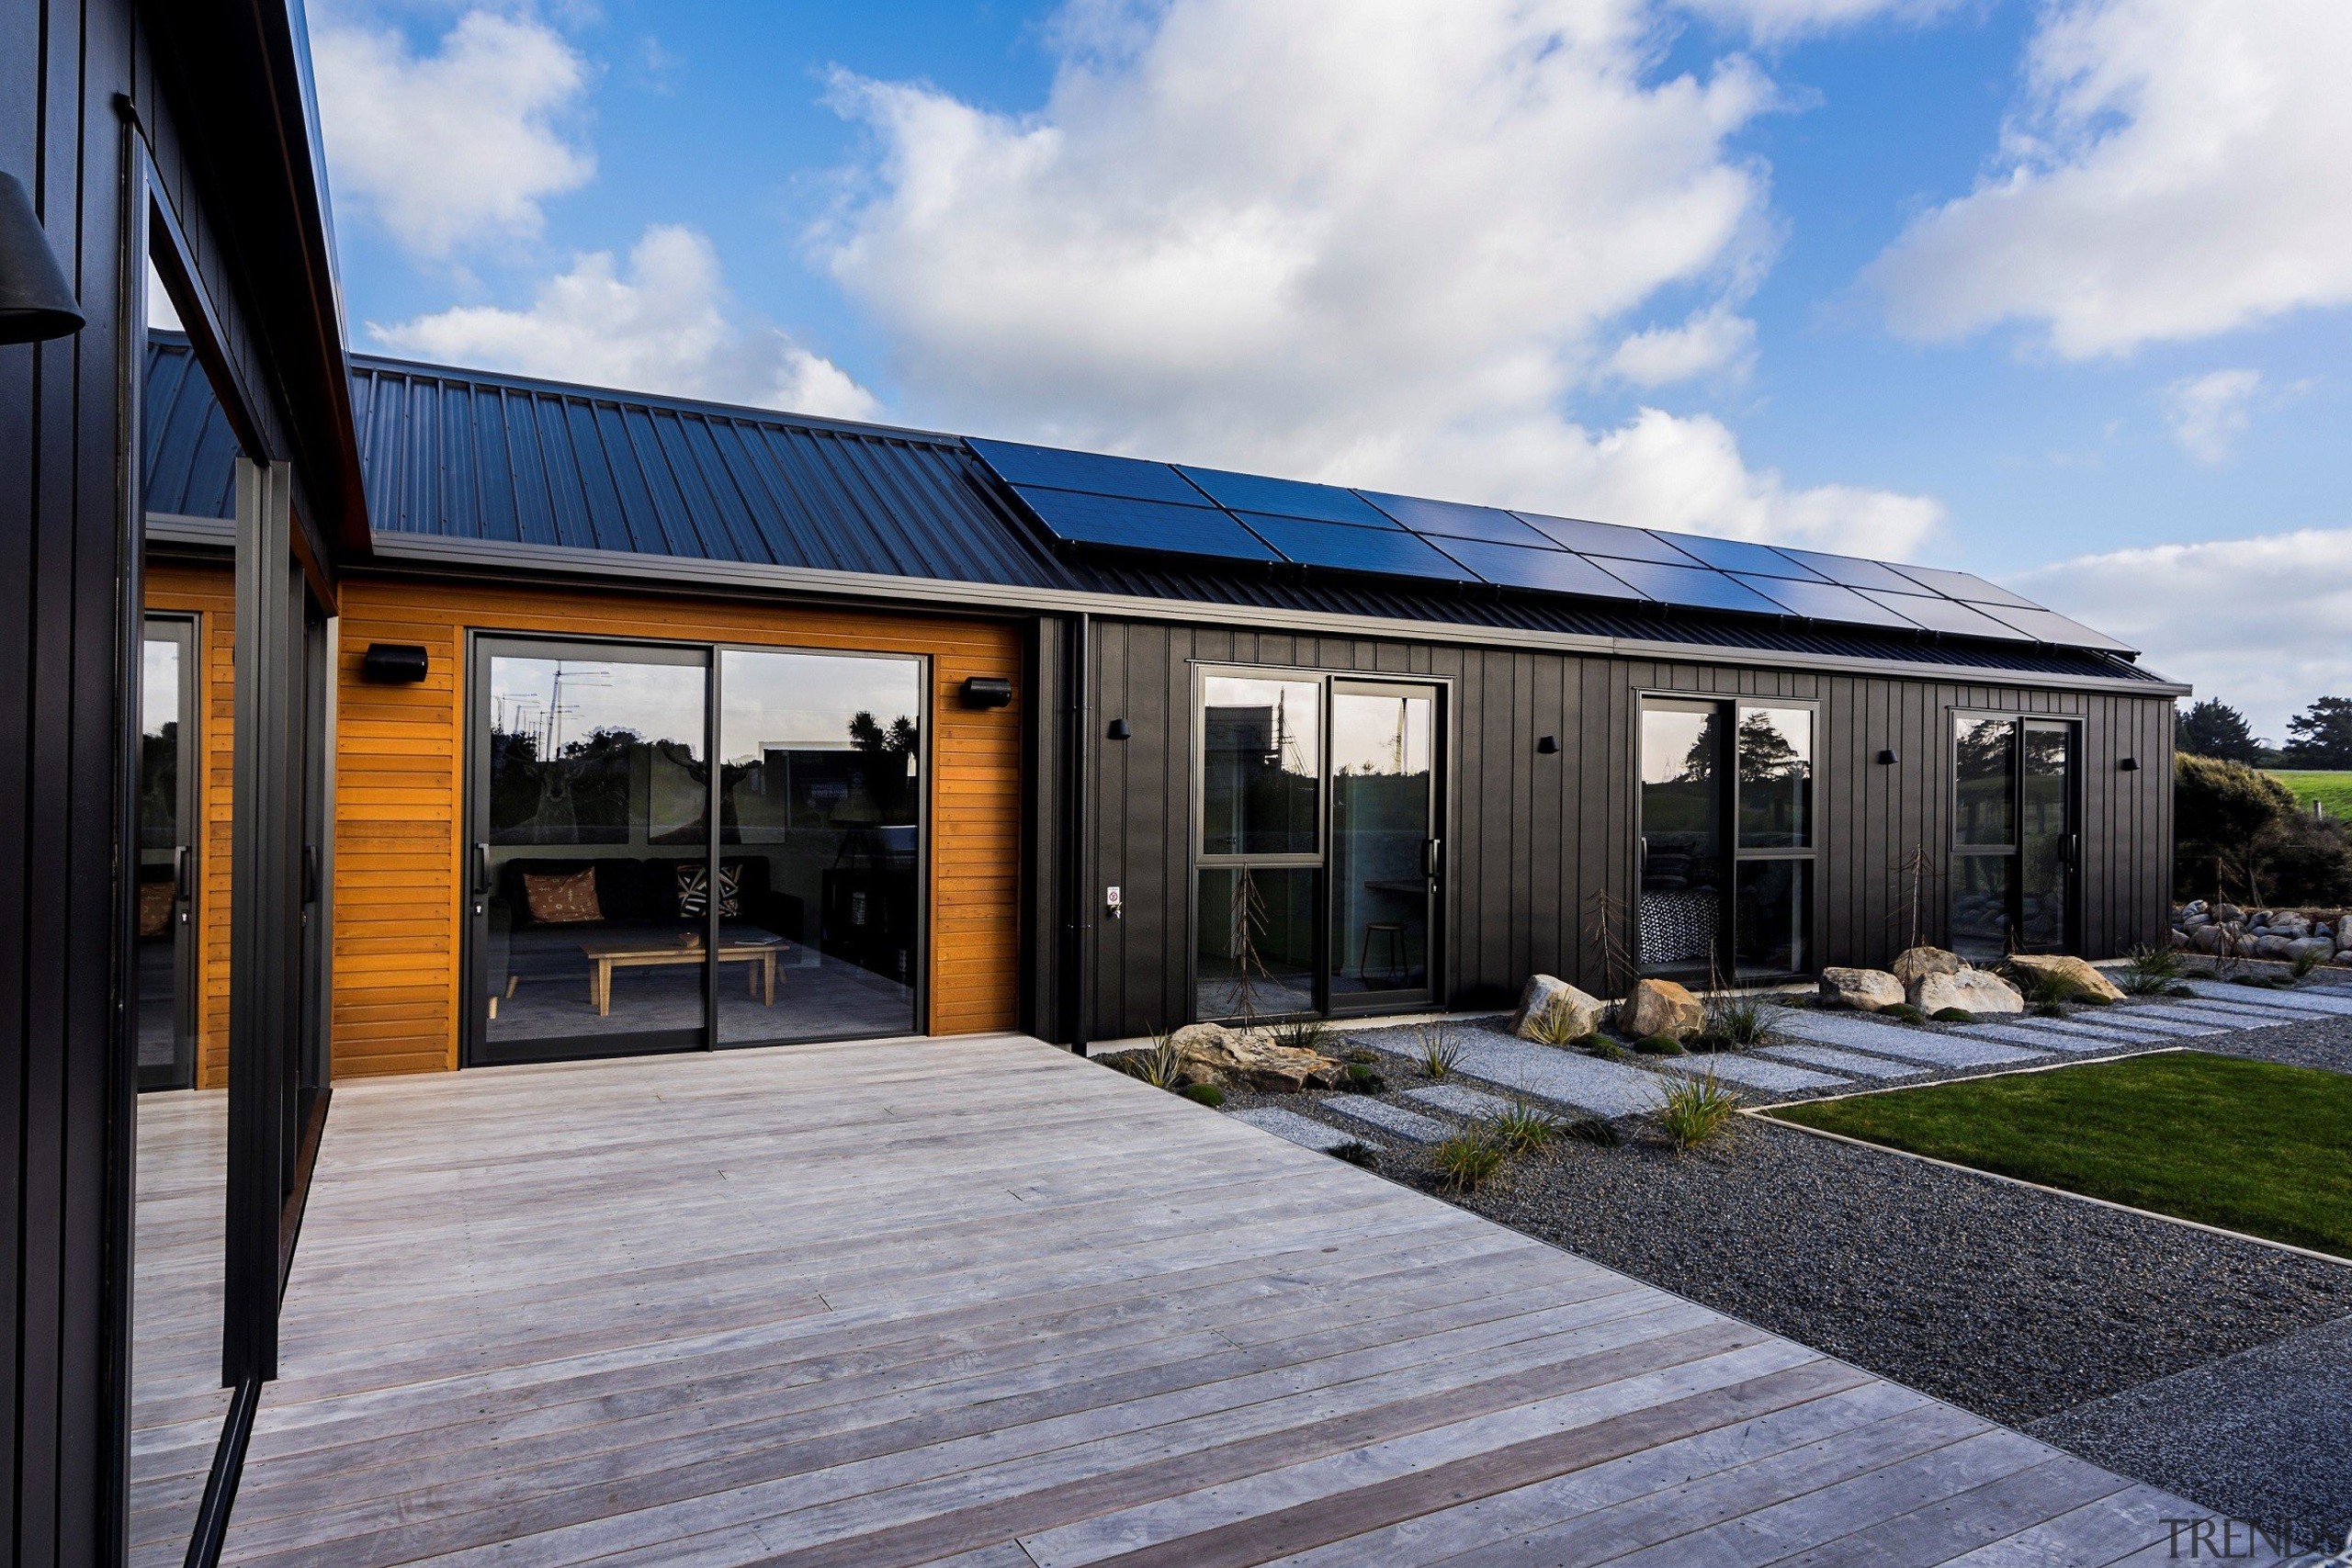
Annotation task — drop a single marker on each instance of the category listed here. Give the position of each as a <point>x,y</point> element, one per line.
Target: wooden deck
<point>976,1301</point>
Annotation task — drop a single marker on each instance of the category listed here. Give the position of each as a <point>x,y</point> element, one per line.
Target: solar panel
<point>1697,587</point>
<point>1849,571</point>
<point>1454,520</point>
<point>1737,555</point>
<point>1553,571</point>
<point>1287,498</point>
<point>1350,548</point>
<point>1089,471</point>
<point>2048,626</point>
<point>1964,586</point>
<point>1823,601</point>
<point>1943,616</point>
<point>1128,523</point>
<point>1604,540</point>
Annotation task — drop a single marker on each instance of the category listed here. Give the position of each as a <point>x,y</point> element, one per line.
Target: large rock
<point>2322,948</point>
<point>1573,1013</point>
<point>1864,990</point>
<point>1914,965</point>
<point>2059,967</point>
<point>1661,1007</point>
<point>1971,991</point>
<point>1230,1059</point>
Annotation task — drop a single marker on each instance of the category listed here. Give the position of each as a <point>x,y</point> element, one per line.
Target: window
<point>1717,772</point>
<point>2014,838</point>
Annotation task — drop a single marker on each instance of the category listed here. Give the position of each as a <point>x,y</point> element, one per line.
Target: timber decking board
<point>921,1302</point>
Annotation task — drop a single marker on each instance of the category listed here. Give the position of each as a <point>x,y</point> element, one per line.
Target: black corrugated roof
<point>475,456</point>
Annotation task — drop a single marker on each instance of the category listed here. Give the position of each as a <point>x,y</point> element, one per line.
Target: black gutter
<point>1077,895</point>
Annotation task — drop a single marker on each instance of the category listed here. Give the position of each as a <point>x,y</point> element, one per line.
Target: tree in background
<point>2213,728</point>
<point>2237,834</point>
<point>2320,736</point>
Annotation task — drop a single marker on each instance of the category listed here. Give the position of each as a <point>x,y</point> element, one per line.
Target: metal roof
<point>517,463</point>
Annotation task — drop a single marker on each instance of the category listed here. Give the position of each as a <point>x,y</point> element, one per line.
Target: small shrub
<point>1903,1013</point>
<point>1355,1151</point>
<point>2047,1010</point>
<point>1695,1111</point>
<point>1735,1023</point>
<point>2304,962</point>
<point>1363,1080</point>
<point>1660,1045</point>
<point>2039,986</point>
<point>1596,1130</point>
<point>2180,990</point>
<point>1361,1057</point>
<point>1602,1046</point>
<point>1555,1024</point>
<point>1520,1128</point>
<point>2149,970</point>
<point>1307,1034</point>
<point>2093,999</point>
<point>1206,1094</point>
<point>1161,1066</point>
<point>1954,1015</point>
<point>1438,1054</point>
<point>1466,1161</point>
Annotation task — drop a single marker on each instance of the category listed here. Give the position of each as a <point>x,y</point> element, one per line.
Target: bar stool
<point>1392,935</point>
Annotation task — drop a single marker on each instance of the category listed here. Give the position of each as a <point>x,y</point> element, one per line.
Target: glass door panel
<point>167,778</point>
<point>1683,801</point>
<point>820,858</point>
<point>1383,844</point>
<point>2046,836</point>
<point>593,828</point>
<point>1255,942</point>
<point>1261,741</point>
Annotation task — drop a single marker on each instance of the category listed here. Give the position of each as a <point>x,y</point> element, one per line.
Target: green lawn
<point>2333,790</point>
<point>2251,1145</point>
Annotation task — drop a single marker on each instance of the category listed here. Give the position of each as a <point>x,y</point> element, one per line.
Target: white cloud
<point>1715,339</point>
<point>1774,21</point>
<point>2208,414</point>
<point>1378,242</point>
<point>2176,170</point>
<point>664,327</point>
<point>455,147</point>
<point>2259,622</point>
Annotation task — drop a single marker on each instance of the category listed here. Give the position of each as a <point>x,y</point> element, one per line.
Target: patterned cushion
<point>562,900</point>
<point>694,889</point>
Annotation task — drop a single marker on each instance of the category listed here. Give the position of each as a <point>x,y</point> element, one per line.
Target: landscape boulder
<point>2059,967</point>
<point>1864,990</point>
<point>1229,1058</point>
<point>1979,991</point>
<point>1914,965</point>
<point>1661,1007</point>
<point>1549,996</point>
<point>2322,948</point>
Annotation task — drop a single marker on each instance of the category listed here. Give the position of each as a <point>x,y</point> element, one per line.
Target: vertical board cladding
<point>208,594</point>
<point>400,794</point>
<point>1534,838</point>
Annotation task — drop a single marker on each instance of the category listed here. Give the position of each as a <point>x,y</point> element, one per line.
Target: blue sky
<point>2056,291</point>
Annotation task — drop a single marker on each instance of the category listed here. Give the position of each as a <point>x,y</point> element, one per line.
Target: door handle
<point>1432,857</point>
<point>310,874</point>
<point>179,871</point>
<point>482,869</point>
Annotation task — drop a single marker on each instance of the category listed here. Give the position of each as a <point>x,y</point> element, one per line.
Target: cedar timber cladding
<point>1534,836</point>
<point>209,594</point>
<point>400,795</point>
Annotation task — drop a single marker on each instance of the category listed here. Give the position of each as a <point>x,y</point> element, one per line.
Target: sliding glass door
<point>2015,841</point>
<point>167,793</point>
<point>1727,838</point>
<point>1316,859</point>
<point>626,899</point>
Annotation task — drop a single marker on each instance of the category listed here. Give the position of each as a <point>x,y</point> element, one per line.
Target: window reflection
<point>1775,778</point>
<point>1984,801</point>
<point>1261,758</point>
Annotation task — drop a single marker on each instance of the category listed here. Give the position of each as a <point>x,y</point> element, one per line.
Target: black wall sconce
<point>35,302</point>
<point>1118,730</point>
<point>1887,758</point>
<point>987,692</point>
<point>1548,746</point>
<point>394,663</point>
<point>2129,765</point>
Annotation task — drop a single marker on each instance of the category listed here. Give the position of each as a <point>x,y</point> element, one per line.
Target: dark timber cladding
<point>1534,835</point>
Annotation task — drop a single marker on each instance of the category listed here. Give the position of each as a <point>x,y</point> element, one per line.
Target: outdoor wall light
<point>1548,745</point>
<point>987,691</point>
<point>2129,765</point>
<point>395,663</point>
<point>1887,759</point>
<point>35,302</point>
<point>1118,730</point>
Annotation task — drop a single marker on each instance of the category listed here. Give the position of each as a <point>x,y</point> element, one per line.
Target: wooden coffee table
<point>641,954</point>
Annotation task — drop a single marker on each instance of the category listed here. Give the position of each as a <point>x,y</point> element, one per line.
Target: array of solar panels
<point>1087,498</point>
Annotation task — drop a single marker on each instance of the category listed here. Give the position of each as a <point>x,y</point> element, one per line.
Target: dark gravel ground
<point>2192,1360</point>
